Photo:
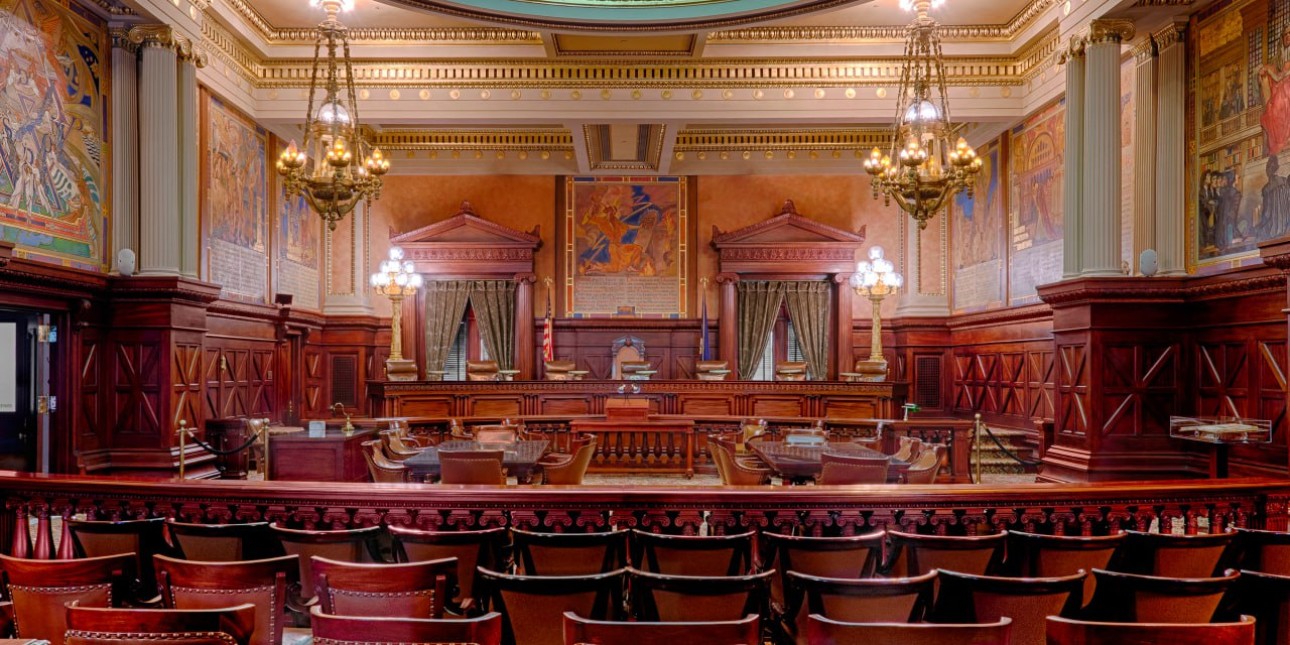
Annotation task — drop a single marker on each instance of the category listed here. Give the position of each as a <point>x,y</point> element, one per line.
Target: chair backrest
<point>1266,597</point>
<point>571,474</point>
<point>569,554</point>
<point>482,370</point>
<point>855,556</point>
<point>370,630</point>
<point>352,545</point>
<point>1036,556</point>
<point>856,600</point>
<point>224,542</point>
<point>840,469</point>
<point>1066,631</point>
<point>558,370</point>
<point>1173,556</point>
<point>584,631</point>
<point>1027,601</point>
<point>394,448</point>
<point>498,433</point>
<point>691,555</point>
<point>39,589</point>
<point>908,449</point>
<point>927,465</point>
<point>711,370</point>
<point>407,589</point>
<point>380,468</point>
<point>1133,598</point>
<point>532,606</point>
<point>626,349</point>
<point>790,371</point>
<point>732,472</point>
<point>99,626</point>
<point>472,467</point>
<point>1266,551</point>
<point>912,554</point>
<point>658,597</point>
<point>471,549</point>
<point>143,538</point>
<point>826,631</point>
<point>187,584</point>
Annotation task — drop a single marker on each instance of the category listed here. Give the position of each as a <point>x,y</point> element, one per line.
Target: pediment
<point>786,227</point>
<point>787,243</point>
<point>468,228</point>
<point>467,245</point>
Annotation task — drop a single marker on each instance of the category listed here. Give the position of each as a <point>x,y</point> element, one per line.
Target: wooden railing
<point>1090,509</point>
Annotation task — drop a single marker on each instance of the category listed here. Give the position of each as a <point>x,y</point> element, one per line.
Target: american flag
<point>548,334</point>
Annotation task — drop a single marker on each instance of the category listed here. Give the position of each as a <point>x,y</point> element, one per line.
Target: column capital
<point>163,36</point>
<point>1172,34</point>
<point>121,39</point>
<point>1144,50</point>
<point>1110,30</point>
<point>1074,49</point>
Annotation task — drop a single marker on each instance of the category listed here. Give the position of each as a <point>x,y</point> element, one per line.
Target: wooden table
<point>802,462</point>
<point>518,458</point>
<point>635,446</point>
<point>336,457</point>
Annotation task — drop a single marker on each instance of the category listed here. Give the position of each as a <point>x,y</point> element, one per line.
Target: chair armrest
<point>555,460</point>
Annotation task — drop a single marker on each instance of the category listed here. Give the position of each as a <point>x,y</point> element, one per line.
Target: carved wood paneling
<point>88,425</point>
<point>136,390</point>
<point>1140,388</point>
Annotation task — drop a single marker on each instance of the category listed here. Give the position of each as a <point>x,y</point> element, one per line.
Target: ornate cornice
<point>1172,34</point>
<point>858,34</point>
<point>534,139</point>
<point>162,36</point>
<point>112,8</point>
<point>717,139</point>
<point>386,35</point>
<point>1106,30</point>
<point>1038,56</point>
<point>1144,50</point>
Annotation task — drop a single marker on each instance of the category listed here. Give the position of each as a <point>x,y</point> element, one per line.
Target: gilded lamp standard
<point>335,168</point>
<point>397,280</point>
<point>875,279</point>
<point>926,163</point>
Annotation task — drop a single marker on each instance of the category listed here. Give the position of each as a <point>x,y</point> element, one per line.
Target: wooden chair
<point>826,631</point>
<point>379,467</point>
<point>370,630</point>
<point>927,465</point>
<point>39,588</point>
<point>1131,598</point>
<point>353,545</point>
<point>913,554</point>
<point>533,606</point>
<point>143,538</point>
<point>790,371</point>
<point>733,471</point>
<point>692,555</point>
<point>1066,631</point>
<point>229,625</point>
<point>855,556</point>
<point>657,597</point>
<point>224,542</point>
<point>1265,551</point>
<point>584,631</point>
<point>483,371</point>
<point>908,449</point>
<point>472,467</point>
<point>1028,602</point>
<point>568,470</point>
<point>1266,598</point>
<point>1035,556</point>
<point>403,431</point>
<point>558,370</point>
<point>569,554</point>
<point>471,549</point>
<point>855,600</point>
<point>403,590</point>
<point>840,469</point>
<point>1173,556</point>
<point>394,448</point>
<point>711,370</point>
<point>497,433</point>
<point>187,584</point>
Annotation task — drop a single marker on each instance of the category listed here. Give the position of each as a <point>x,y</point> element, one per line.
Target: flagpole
<point>705,349</point>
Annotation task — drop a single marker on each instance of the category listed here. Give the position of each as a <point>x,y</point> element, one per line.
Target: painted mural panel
<point>235,202</point>
<point>1128,127</point>
<point>1241,192</point>
<point>977,240</point>
<point>53,112</point>
<point>1035,158</point>
<point>299,245</point>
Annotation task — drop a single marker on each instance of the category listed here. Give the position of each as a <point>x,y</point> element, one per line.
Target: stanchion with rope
<point>183,434</point>
<point>260,435</point>
<point>976,448</point>
<point>978,427</point>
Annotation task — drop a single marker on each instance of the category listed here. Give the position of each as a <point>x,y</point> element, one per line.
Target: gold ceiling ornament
<point>924,167</point>
<point>336,168</point>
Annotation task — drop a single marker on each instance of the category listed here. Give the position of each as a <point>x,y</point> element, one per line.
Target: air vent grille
<point>344,380</point>
<point>927,384</point>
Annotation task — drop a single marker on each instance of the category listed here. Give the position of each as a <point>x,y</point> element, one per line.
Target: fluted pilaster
<point>1144,150</point>
<point>189,236</point>
<point>125,144</point>
<point>1100,243</point>
<point>159,165</point>
<point>1072,185</point>
<point>1171,135</point>
<point>921,295</point>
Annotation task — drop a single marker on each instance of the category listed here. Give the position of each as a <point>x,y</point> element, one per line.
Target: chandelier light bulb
<point>396,253</point>
<point>875,253</point>
<point>896,281</point>
<point>409,267</point>
<point>416,281</point>
<point>870,279</point>
<point>401,279</point>
<point>863,267</point>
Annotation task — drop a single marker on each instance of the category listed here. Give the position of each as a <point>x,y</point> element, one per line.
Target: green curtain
<point>759,303</point>
<point>808,309</point>
<point>445,306</point>
<point>494,305</point>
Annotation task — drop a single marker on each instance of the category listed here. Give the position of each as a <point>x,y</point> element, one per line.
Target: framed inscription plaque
<point>626,247</point>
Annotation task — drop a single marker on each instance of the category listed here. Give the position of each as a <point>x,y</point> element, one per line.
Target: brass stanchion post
<point>264,451</point>
<point>976,447</point>
<point>183,434</point>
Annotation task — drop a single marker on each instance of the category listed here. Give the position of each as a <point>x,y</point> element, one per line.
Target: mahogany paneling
<point>671,346</point>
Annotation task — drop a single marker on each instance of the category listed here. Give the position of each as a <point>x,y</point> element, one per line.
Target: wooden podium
<point>627,410</point>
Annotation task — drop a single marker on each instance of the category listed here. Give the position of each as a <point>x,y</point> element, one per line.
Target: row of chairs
<point>384,459</point>
<point>925,462</point>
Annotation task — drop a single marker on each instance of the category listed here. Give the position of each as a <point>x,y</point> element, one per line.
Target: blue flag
<point>704,345</point>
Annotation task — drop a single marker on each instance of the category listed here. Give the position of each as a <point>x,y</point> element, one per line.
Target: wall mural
<point>1241,133</point>
<point>1035,152</point>
<point>299,244</point>
<point>1128,130</point>
<point>977,236</point>
<point>625,246</point>
<point>235,202</point>
<point>53,112</point>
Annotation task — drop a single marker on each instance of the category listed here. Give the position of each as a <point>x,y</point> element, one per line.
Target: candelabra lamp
<point>397,280</point>
<point>875,279</point>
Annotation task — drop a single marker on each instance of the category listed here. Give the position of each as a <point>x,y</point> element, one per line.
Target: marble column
<point>1171,150</point>
<point>1144,151</point>
<point>189,236</point>
<point>1101,202</point>
<point>1072,186</point>
<point>125,145</point>
<point>160,248</point>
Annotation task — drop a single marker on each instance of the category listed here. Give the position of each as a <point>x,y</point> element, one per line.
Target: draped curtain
<point>758,308</point>
<point>445,305</point>
<point>494,305</point>
<point>808,309</point>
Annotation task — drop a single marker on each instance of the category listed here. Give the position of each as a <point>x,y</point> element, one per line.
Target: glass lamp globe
<point>875,252</point>
<point>922,111</point>
<point>333,113</point>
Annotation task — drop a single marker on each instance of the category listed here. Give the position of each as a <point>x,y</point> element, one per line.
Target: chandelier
<point>335,168</point>
<point>922,169</point>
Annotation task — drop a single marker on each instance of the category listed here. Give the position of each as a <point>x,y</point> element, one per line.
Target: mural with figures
<point>1241,193</point>
<point>53,113</point>
<point>235,202</point>
<point>1035,151</point>
<point>299,245</point>
<point>977,236</point>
